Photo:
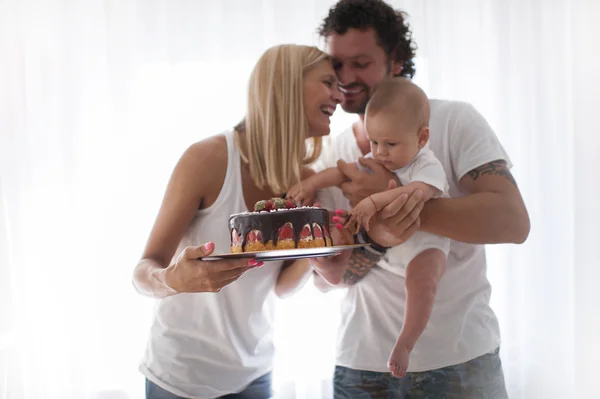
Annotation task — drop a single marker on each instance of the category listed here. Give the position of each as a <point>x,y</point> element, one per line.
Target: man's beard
<point>357,107</point>
<point>360,108</point>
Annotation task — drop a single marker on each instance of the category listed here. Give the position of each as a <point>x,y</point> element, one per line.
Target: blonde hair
<point>402,98</point>
<point>275,126</point>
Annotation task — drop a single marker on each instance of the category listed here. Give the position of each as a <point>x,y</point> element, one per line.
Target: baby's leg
<point>422,277</point>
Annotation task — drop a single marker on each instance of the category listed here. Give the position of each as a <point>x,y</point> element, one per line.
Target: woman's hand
<point>189,274</point>
<point>340,234</point>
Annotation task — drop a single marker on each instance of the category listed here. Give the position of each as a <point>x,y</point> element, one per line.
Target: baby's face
<point>393,145</point>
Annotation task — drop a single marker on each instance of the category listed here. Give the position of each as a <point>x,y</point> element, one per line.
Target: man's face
<point>360,64</point>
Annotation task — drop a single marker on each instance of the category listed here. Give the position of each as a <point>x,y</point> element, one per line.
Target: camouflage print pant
<point>480,378</point>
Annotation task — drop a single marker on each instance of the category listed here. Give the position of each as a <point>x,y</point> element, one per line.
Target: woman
<point>211,338</point>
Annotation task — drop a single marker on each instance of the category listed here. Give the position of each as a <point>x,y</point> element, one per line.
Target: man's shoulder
<point>442,109</point>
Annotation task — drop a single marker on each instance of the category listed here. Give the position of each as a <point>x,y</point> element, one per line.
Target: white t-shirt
<point>462,325</point>
<point>426,168</point>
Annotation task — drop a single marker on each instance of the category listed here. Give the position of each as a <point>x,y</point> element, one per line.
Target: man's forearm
<point>360,263</point>
<point>346,270</point>
<point>481,218</point>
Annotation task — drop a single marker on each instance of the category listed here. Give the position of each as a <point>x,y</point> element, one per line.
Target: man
<point>458,354</point>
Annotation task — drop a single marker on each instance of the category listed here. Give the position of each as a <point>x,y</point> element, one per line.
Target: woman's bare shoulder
<point>207,151</point>
<point>201,162</point>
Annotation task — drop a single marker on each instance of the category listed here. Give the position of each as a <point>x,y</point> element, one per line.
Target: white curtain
<point>99,98</point>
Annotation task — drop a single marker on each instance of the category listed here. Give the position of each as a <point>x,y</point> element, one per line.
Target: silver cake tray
<point>287,254</point>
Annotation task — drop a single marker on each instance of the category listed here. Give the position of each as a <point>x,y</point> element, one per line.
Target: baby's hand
<point>361,214</point>
<point>302,193</point>
<point>398,361</point>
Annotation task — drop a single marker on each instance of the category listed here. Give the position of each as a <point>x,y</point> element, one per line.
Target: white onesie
<point>426,168</point>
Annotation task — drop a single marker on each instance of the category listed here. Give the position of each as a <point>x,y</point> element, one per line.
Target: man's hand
<point>359,184</point>
<point>398,220</point>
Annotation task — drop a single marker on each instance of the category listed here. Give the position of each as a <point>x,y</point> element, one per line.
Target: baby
<point>397,124</point>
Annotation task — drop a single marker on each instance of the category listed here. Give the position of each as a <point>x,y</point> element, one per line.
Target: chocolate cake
<point>279,224</point>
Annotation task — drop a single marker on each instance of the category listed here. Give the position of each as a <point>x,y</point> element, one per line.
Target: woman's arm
<point>292,278</point>
<point>154,276</point>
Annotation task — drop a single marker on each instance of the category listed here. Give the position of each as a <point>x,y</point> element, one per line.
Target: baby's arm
<point>385,197</point>
<point>423,274</point>
<point>326,178</point>
<point>306,189</point>
<point>365,209</point>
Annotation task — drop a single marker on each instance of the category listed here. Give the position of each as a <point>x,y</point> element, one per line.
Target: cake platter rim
<point>286,254</point>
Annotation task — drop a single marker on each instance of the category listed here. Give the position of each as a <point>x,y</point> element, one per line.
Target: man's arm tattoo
<point>360,263</point>
<point>497,168</point>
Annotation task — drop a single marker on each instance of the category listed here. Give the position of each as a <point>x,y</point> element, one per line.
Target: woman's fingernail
<point>209,246</point>
<point>339,226</point>
<point>335,219</point>
<point>259,264</point>
<point>252,262</point>
<point>419,193</point>
<point>339,212</point>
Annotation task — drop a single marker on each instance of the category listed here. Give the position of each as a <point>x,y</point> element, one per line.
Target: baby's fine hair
<point>401,97</point>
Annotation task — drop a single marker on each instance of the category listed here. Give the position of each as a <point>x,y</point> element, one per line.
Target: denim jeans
<point>258,389</point>
<point>480,378</point>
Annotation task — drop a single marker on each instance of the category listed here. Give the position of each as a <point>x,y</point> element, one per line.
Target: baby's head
<point>397,122</point>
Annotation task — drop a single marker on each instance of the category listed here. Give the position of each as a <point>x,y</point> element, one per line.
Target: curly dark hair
<point>392,30</point>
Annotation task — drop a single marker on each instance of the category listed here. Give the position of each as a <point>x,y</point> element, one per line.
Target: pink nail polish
<point>252,262</point>
<point>339,226</point>
<point>335,219</point>
<point>209,246</point>
<point>339,212</point>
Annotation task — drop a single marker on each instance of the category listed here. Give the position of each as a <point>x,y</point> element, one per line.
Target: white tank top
<point>211,344</point>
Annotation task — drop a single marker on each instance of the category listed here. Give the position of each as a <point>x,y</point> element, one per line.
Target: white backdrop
<point>99,98</point>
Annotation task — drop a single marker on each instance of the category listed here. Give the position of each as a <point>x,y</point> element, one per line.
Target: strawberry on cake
<point>279,223</point>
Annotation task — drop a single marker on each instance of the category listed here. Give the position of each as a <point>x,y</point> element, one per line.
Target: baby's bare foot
<point>398,362</point>
<point>397,370</point>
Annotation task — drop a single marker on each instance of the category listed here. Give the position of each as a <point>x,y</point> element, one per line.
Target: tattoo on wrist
<point>361,261</point>
<point>497,168</point>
